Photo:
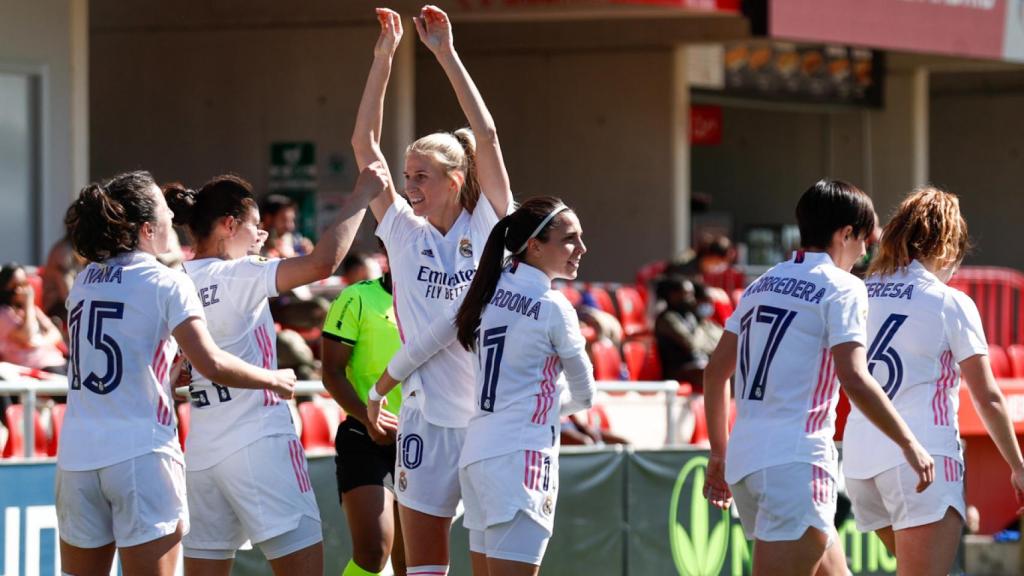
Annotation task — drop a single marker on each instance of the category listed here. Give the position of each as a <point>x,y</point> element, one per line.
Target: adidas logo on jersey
<point>428,252</point>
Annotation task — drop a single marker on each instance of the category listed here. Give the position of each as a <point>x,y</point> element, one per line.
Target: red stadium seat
<point>602,297</point>
<point>184,410</point>
<point>570,292</point>
<point>16,440</point>
<point>1000,361</point>
<point>1015,352</point>
<point>642,360</point>
<point>36,280</point>
<point>597,417</point>
<point>56,425</point>
<point>635,353</point>
<point>607,361</point>
<point>316,432</point>
<point>632,311</point>
<point>700,428</point>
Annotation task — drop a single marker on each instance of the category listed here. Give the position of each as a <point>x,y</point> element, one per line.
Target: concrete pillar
<point>897,140</point>
<point>680,149</point>
<point>79,96</point>
<point>400,106</point>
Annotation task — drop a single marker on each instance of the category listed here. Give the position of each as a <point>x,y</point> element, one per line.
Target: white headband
<point>543,223</point>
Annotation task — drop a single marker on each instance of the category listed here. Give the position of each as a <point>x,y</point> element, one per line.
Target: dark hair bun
<point>181,201</point>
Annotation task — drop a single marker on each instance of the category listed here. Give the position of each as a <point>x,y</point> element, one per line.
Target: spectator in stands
<point>713,265</point>
<point>27,335</point>
<point>577,432</point>
<point>62,265</point>
<point>603,324</point>
<point>278,213</point>
<point>683,330</point>
<point>356,267</point>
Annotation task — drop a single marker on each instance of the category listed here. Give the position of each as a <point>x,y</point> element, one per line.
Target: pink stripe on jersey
<point>822,485</point>
<point>545,398</point>
<point>940,406</point>
<point>952,467</point>
<point>159,363</point>
<point>823,393</point>
<point>297,455</point>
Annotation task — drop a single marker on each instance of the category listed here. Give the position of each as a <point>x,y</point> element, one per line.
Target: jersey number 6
<point>881,351</point>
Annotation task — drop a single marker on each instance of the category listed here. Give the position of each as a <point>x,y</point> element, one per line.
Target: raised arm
<point>435,31</point>
<point>337,239</point>
<point>991,406</point>
<point>223,368</point>
<point>370,117</point>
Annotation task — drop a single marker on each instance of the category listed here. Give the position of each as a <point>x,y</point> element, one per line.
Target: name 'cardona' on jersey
<point>516,303</point>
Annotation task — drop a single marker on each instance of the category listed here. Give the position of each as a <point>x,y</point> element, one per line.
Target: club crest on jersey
<point>403,483</point>
<point>465,248</point>
<point>549,505</point>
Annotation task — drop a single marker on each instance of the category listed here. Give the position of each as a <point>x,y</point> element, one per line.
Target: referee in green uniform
<point>359,338</point>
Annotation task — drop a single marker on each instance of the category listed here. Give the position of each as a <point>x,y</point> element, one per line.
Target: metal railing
<point>29,390</point>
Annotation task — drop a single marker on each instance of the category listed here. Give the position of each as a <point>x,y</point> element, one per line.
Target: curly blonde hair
<point>927,227</point>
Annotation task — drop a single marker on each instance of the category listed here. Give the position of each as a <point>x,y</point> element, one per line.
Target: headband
<point>543,223</point>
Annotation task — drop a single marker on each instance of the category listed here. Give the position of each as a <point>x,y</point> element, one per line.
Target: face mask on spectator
<point>705,310</point>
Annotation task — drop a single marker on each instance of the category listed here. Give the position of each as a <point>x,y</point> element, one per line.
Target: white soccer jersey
<point>785,386</point>
<point>429,271</point>
<point>524,333</point>
<point>234,296</point>
<point>920,329</point>
<point>120,317</point>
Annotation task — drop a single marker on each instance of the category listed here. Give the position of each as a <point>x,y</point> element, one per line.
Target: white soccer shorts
<point>891,499</point>
<point>779,503</point>
<point>129,503</point>
<point>427,463</point>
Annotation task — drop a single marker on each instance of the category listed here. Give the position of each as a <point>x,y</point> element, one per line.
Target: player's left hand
<point>1017,481</point>
<point>388,423</point>
<point>716,490</point>
<point>434,29</point>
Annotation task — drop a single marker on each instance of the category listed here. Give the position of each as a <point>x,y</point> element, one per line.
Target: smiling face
<point>559,256</point>
<point>430,190</point>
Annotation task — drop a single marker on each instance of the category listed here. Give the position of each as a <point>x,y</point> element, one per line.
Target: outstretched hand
<point>390,33</point>
<point>434,29</point>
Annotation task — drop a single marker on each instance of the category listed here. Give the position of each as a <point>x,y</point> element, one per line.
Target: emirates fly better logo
<point>701,550</point>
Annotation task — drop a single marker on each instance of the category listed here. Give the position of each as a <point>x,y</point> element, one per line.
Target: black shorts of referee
<point>360,460</point>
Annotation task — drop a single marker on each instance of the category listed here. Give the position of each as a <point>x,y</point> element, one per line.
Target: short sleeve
<point>732,323</point>
<point>252,279</point>
<point>564,329</point>
<point>342,324</point>
<point>964,330</point>
<point>846,314</point>
<point>483,220</point>
<point>180,300</point>
<point>398,221</point>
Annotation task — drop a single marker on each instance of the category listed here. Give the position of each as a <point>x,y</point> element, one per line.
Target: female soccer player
<point>247,477</point>
<point>360,336</point>
<point>924,336</point>
<point>524,333</point>
<point>120,480</point>
<point>798,327</point>
<point>434,241</point>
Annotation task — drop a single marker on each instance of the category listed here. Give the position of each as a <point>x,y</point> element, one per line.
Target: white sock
<point>426,571</point>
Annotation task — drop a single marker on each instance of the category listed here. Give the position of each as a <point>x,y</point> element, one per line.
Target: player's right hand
<point>373,416</point>
<point>922,463</point>
<point>284,383</point>
<point>716,489</point>
<point>372,180</point>
<point>390,33</point>
<point>386,427</point>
